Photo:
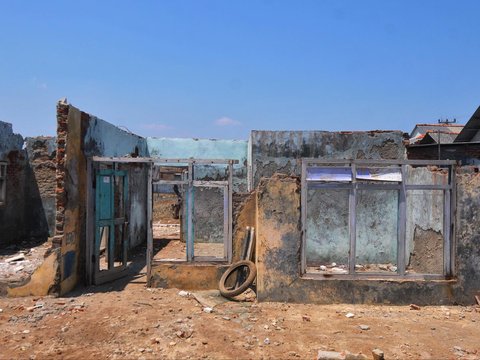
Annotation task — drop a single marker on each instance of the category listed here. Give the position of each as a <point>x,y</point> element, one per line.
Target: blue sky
<point>217,69</point>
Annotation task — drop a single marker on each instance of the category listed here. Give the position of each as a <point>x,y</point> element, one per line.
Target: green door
<point>111,241</point>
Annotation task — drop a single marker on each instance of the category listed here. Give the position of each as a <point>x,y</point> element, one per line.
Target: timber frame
<point>449,191</point>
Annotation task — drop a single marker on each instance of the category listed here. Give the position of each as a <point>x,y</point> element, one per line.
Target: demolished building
<point>338,216</point>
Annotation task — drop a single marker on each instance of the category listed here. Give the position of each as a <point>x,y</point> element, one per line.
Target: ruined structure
<point>338,216</point>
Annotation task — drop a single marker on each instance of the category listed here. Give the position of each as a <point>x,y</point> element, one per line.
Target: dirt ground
<point>125,320</point>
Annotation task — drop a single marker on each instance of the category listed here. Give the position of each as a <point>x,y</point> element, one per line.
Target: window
<point>3,182</point>
<point>377,218</point>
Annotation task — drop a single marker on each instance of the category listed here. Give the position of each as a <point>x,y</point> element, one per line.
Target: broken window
<point>3,183</point>
<point>381,218</point>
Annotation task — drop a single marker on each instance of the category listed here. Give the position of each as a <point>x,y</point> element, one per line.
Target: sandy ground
<point>126,320</point>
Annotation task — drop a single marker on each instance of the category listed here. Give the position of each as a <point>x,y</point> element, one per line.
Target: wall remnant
<point>281,151</point>
<point>81,136</point>
<point>30,176</point>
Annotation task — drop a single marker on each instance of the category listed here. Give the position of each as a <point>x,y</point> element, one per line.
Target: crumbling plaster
<point>281,151</point>
<point>279,252</point>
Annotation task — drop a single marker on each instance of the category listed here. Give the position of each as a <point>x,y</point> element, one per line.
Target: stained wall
<point>278,254</point>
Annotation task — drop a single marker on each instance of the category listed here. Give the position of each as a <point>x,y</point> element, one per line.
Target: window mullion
<point>353,219</point>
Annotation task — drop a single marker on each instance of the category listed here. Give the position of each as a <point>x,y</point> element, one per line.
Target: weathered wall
<point>205,149</point>
<point>244,214</point>
<point>30,195</point>
<point>187,276</point>
<point>468,234</point>
<point>328,237</point>
<point>424,228</point>
<point>208,219</point>
<point>81,136</point>
<point>41,152</point>
<point>279,249</point>
<point>101,138</point>
<point>281,151</point>
<point>137,228</point>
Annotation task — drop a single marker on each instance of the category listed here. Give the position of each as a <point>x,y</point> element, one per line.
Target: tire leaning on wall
<point>252,273</point>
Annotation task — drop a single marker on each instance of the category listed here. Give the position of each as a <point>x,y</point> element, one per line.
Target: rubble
<point>378,354</point>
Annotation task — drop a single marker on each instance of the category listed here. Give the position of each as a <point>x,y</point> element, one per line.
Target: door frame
<point>91,274</point>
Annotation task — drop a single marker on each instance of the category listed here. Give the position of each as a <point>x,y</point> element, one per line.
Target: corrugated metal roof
<point>470,128</point>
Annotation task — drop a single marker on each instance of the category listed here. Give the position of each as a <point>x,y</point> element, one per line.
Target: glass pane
<point>208,221</point>
<point>424,232</point>
<point>327,231</point>
<point>377,231</point>
<point>335,174</point>
<point>383,174</point>
<point>168,219</point>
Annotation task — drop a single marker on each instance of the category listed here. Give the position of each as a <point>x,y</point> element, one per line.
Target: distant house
<point>443,133</point>
<point>447,141</point>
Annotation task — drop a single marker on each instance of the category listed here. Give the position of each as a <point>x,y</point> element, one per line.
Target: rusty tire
<point>252,273</point>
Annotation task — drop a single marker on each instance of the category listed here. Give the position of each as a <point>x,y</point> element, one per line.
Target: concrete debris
<point>19,268</point>
<point>323,268</point>
<point>208,310</point>
<point>378,354</point>
<point>335,355</point>
<point>306,318</point>
<point>183,293</point>
<point>266,341</point>
<point>15,258</point>
<point>37,306</point>
<point>350,315</point>
<point>364,327</point>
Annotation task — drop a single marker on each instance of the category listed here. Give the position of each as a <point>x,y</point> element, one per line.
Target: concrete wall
<point>281,151</point>
<point>279,249</point>
<point>205,149</point>
<point>101,138</point>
